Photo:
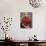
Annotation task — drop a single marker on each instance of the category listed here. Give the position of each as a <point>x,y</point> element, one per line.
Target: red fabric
<point>26,19</point>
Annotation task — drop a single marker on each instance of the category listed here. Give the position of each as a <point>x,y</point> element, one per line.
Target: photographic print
<point>26,20</point>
